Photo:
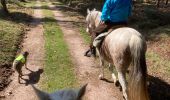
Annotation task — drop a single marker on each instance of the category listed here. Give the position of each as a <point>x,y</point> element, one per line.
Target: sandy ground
<point>86,69</point>
<point>34,44</point>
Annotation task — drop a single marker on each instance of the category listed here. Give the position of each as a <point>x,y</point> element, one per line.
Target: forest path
<point>34,44</point>
<point>86,69</point>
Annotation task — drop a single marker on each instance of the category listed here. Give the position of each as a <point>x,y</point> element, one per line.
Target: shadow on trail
<point>40,7</point>
<point>33,77</point>
<point>154,18</point>
<point>106,80</point>
<point>5,73</point>
<point>67,8</point>
<point>150,18</point>
<point>17,17</point>
<point>151,21</point>
<point>158,89</point>
<point>24,18</point>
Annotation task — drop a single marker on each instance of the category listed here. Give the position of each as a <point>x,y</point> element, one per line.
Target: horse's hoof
<point>88,53</point>
<point>124,98</point>
<point>117,84</point>
<point>114,78</point>
<point>101,77</point>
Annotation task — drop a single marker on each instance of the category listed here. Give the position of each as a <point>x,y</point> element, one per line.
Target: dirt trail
<point>85,67</point>
<point>34,44</point>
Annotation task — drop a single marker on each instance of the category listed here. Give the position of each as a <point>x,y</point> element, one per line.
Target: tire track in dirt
<point>34,44</point>
<point>85,68</point>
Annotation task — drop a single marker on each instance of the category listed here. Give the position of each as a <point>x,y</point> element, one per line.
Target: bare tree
<point>70,2</point>
<point>166,2</point>
<point>157,3</point>
<point>4,7</point>
<point>22,0</point>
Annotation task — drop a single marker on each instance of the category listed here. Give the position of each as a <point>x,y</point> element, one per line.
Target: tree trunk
<point>157,3</point>
<point>145,1</point>
<point>22,0</point>
<point>4,7</point>
<point>65,1</point>
<point>166,2</point>
<point>70,3</point>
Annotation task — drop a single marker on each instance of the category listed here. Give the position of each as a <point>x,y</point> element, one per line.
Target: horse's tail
<point>137,89</point>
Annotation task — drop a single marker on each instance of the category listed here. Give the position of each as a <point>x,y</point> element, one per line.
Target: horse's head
<point>66,94</point>
<point>92,19</point>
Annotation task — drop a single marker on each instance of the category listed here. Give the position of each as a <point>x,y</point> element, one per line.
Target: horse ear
<point>88,11</point>
<point>81,92</point>
<point>41,95</point>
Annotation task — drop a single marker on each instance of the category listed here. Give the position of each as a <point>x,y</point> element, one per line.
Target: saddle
<point>99,39</point>
<point>115,27</point>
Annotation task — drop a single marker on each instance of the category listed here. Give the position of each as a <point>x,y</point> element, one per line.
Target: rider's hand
<point>102,22</point>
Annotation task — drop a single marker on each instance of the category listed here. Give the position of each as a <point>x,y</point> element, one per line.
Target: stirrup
<point>93,51</point>
<point>88,53</point>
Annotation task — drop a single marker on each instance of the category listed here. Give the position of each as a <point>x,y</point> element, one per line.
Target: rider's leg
<point>91,50</point>
<point>101,28</point>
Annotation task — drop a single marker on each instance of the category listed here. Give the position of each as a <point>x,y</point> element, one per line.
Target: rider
<point>114,13</point>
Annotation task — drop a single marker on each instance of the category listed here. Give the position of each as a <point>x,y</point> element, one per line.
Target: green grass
<point>161,32</point>
<point>12,28</point>
<point>158,64</point>
<point>10,37</point>
<point>22,4</point>
<point>59,72</point>
<point>27,4</point>
<point>85,35</point>
<point>11,32</point>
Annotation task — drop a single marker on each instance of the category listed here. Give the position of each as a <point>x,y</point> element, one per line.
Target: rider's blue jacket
<point>116,10</point>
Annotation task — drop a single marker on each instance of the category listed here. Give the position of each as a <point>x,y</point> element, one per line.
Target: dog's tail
<point>14,64</point>
<point>41,95</point>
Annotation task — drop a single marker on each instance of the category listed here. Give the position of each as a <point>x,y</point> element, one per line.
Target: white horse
<point>123,47</point>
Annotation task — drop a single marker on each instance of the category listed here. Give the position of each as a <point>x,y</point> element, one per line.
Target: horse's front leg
<point>123,83</point>
<point>101,76</point>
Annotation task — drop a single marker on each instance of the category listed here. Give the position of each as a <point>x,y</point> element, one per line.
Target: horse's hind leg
<point>123,83</point>
<point>113,74</point>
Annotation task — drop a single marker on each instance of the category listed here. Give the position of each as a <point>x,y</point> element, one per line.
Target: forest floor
<point>34,44</point>
<point>151,22</point>
<point>86,70</point>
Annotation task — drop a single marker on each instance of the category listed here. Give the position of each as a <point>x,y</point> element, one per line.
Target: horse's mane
<point>93,16</point>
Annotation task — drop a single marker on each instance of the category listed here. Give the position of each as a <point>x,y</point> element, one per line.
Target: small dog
<point>20,61</point>
<point>67,94</point>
